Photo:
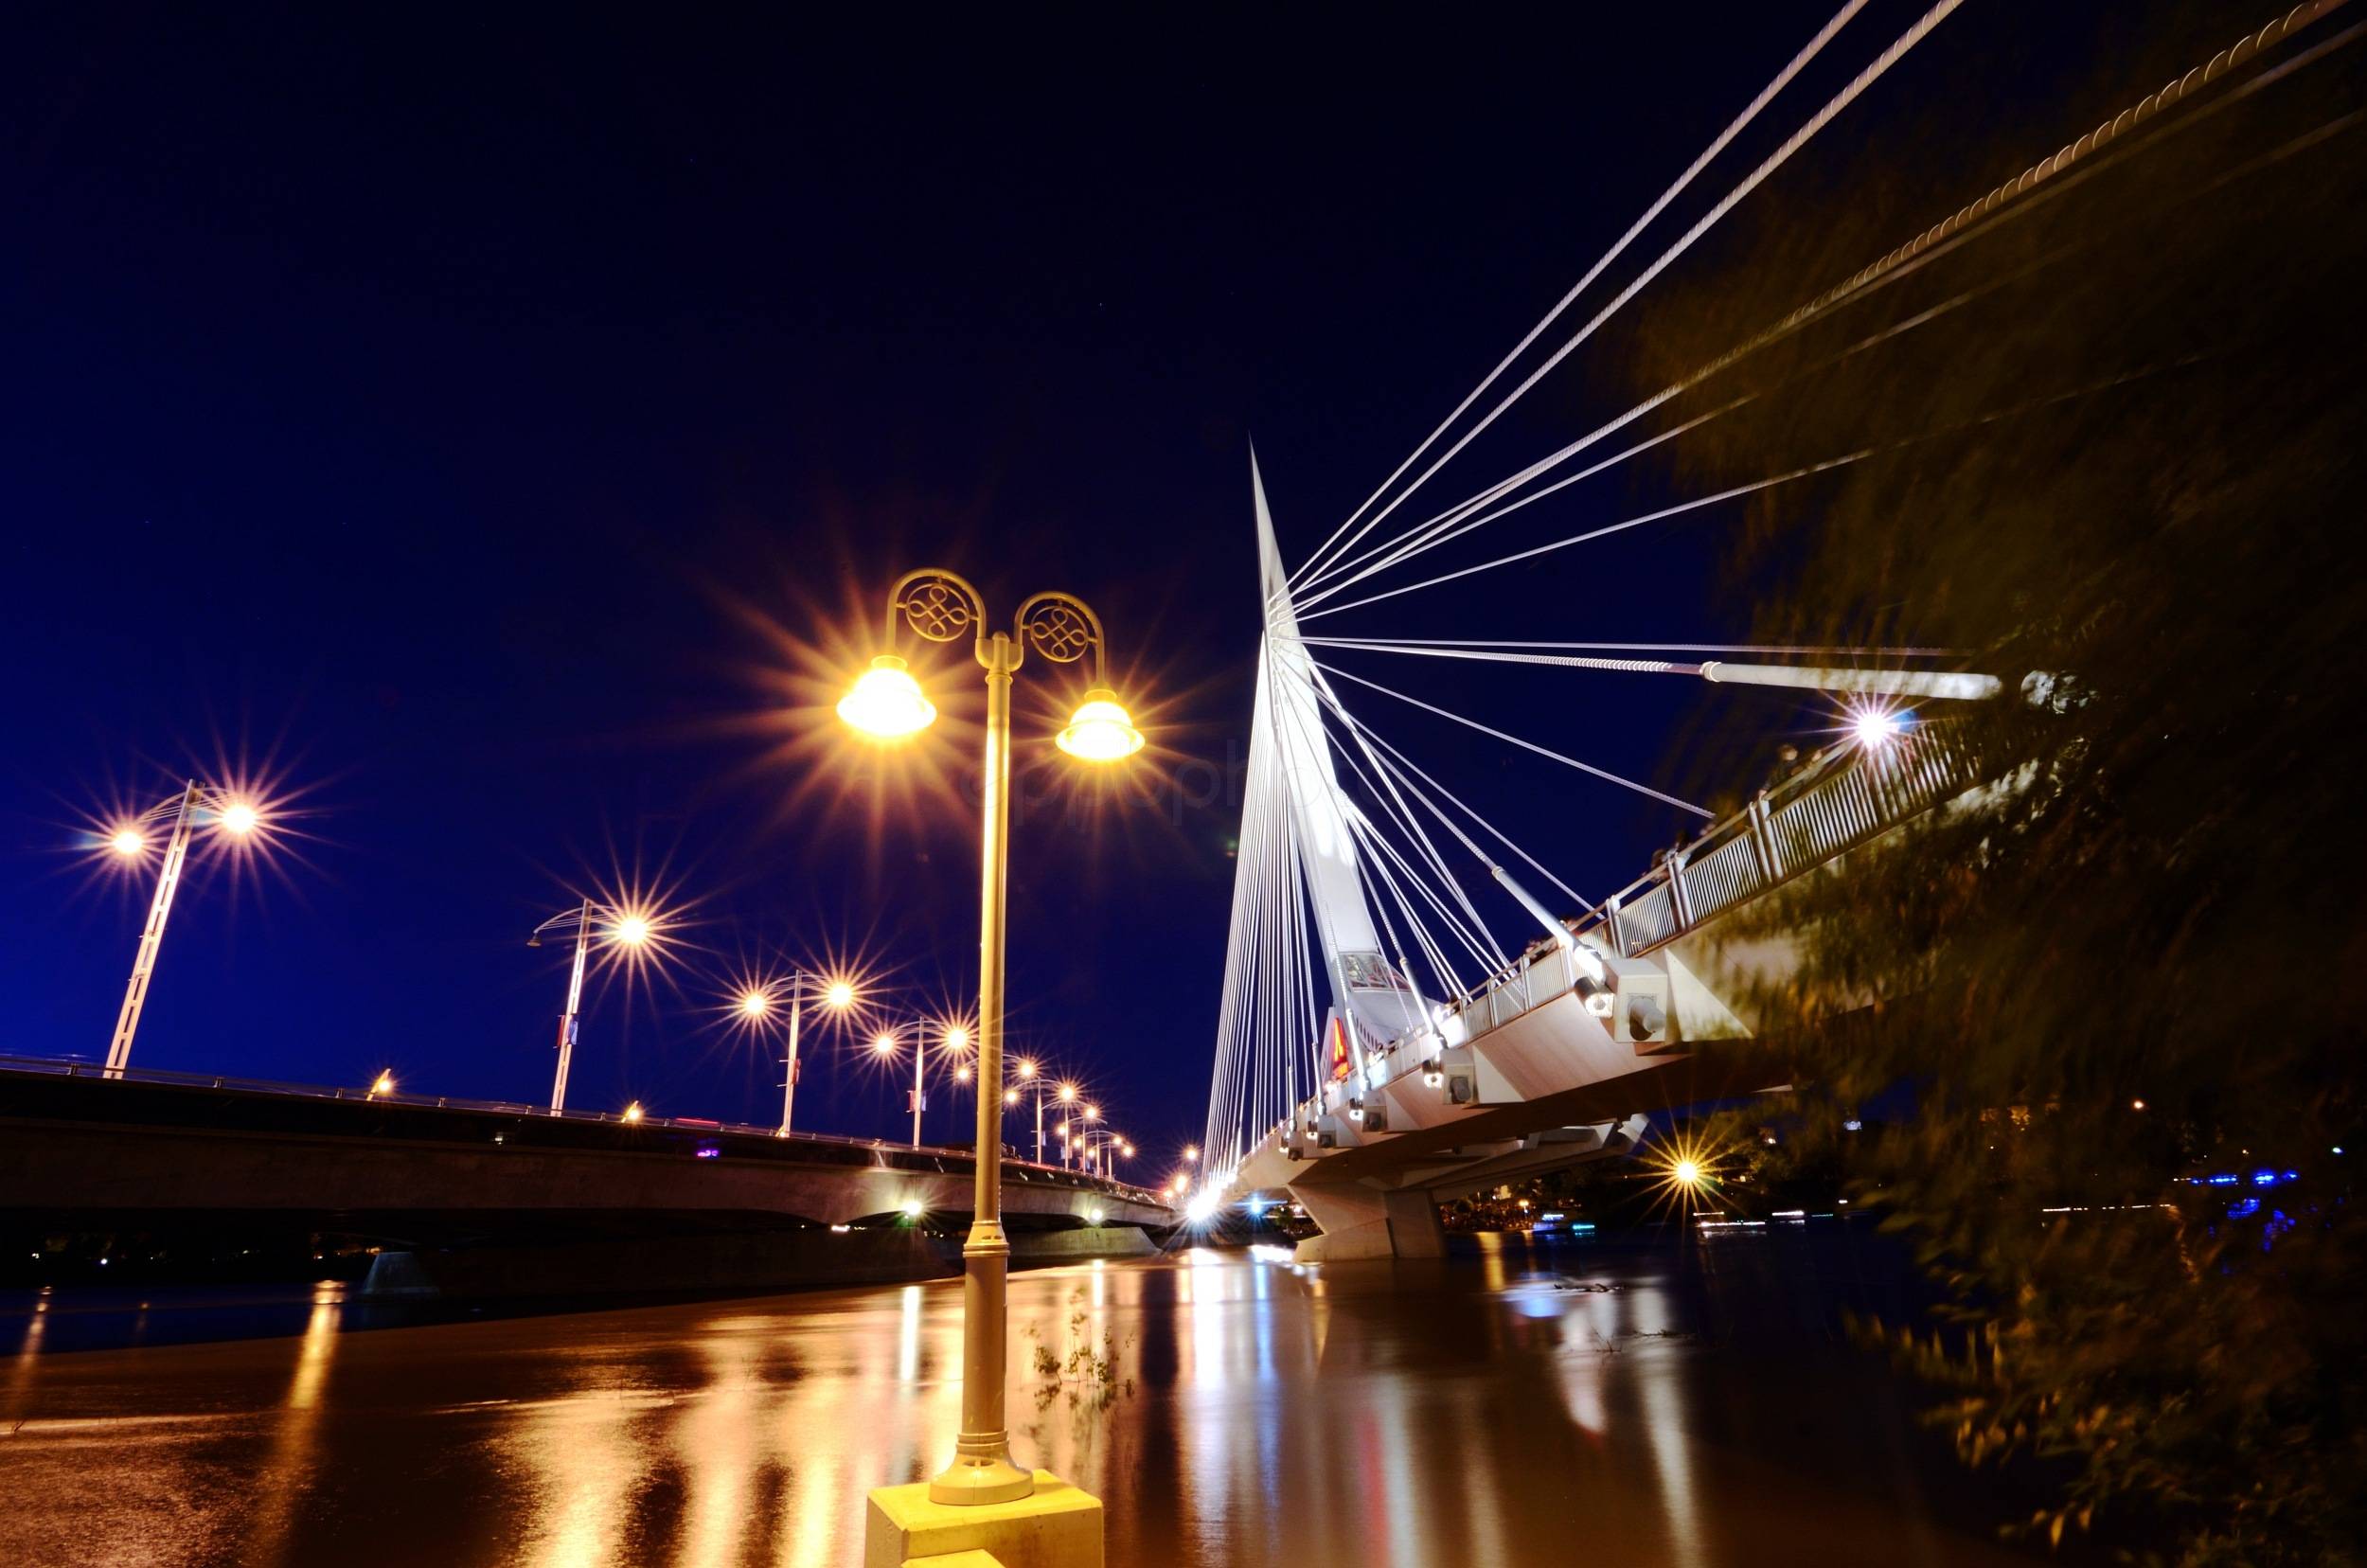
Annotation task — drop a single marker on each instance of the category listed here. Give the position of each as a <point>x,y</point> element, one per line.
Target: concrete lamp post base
<point>1054,1526</point>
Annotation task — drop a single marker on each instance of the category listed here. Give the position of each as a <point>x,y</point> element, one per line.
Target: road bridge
<point>80,1151</point>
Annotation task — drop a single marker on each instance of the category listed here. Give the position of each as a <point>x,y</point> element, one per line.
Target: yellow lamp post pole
<point>887,703</point>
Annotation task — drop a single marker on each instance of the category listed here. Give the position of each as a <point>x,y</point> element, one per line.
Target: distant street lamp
<point>1027,1073</point>
<point>626,927</point>
<point>239,818</point>
<point>887,703</point>
<point>756,1006</point>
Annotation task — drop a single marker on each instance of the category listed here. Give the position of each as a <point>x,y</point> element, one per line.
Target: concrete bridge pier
<point>1362,1222</point>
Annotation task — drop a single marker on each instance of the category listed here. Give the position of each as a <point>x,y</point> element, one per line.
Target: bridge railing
<point>79,1067</point>
<point>1802,821</point>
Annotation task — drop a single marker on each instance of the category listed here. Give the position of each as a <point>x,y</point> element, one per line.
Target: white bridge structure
<point>1381,1044</point>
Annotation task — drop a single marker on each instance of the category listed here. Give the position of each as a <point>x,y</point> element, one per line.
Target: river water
<point>1689,1405</point>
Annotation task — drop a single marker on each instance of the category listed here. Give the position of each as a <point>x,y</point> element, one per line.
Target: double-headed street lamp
<point>755,1005</point>
<point>956,1040</point>
<point>887,703</point>
<point>239,818</point>
<point>623,928</point>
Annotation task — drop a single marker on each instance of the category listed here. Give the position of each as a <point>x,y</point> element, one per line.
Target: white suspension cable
<point>1735,128</point>
<point>1602,773</point>
<point>1798,650</point>
<point>1731,493</point>
<point>1493,832</point>
<point>1848,95</point>
<point>1898,263</point>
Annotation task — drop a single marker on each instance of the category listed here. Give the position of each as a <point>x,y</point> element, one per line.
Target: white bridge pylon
<point>1345,1109</point>
<point>1376,1099</point>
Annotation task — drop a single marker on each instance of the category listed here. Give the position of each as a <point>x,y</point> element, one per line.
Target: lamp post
<point>1027,1073</point>
<point>885,1043</point>
<point>757,1001</point>
<point>1068,1096</point>
<point>625,928</point>
<point>128,839</point>
<point>940,606</point>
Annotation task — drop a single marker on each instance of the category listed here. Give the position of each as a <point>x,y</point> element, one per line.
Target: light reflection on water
<point>1514,1408</point>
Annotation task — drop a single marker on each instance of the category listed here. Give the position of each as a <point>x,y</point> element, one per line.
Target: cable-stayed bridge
<point>1404,1016</point>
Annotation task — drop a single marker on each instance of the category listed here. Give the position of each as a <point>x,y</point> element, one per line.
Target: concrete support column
<point>1362,1222</point>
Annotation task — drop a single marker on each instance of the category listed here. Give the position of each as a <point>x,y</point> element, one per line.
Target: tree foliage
<point>2123,458</point>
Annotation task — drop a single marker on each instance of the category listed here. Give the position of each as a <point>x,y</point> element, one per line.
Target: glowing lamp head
<point>1687,1172</point>
<point>956,1037</point>
<point>914,1209</point>
<point>1126,1150</point>
<point>1026,1067</point>
<point>961,1073</point>
<point>1068,1092</point>
<point>128,841</point>
<point>632,929</point>
<point>1102,731</point>
<point>1092,1113</point>
<point>886,703</point>
<point>839,994</point>
<point>1202,1209</point>
<point>883,1044</point>
<point>632,1111</point>
<point>1010,1096</point>
<point>1191,1154</point>
<point>383,1084</point>
<point>1876,728</point>
<point>755,1004</point>
<point>241,818</point>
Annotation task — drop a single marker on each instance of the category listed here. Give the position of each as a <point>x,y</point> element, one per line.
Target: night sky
<point>499,433</point>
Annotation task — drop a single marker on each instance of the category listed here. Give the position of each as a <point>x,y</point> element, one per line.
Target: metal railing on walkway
<point>1802,821</point>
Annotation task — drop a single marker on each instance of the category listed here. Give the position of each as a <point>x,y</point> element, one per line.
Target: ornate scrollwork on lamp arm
<point>938,605</point>
<point>1061,628</point>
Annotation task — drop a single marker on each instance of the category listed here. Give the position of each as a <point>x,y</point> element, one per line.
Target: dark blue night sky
<point>500,431</point>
